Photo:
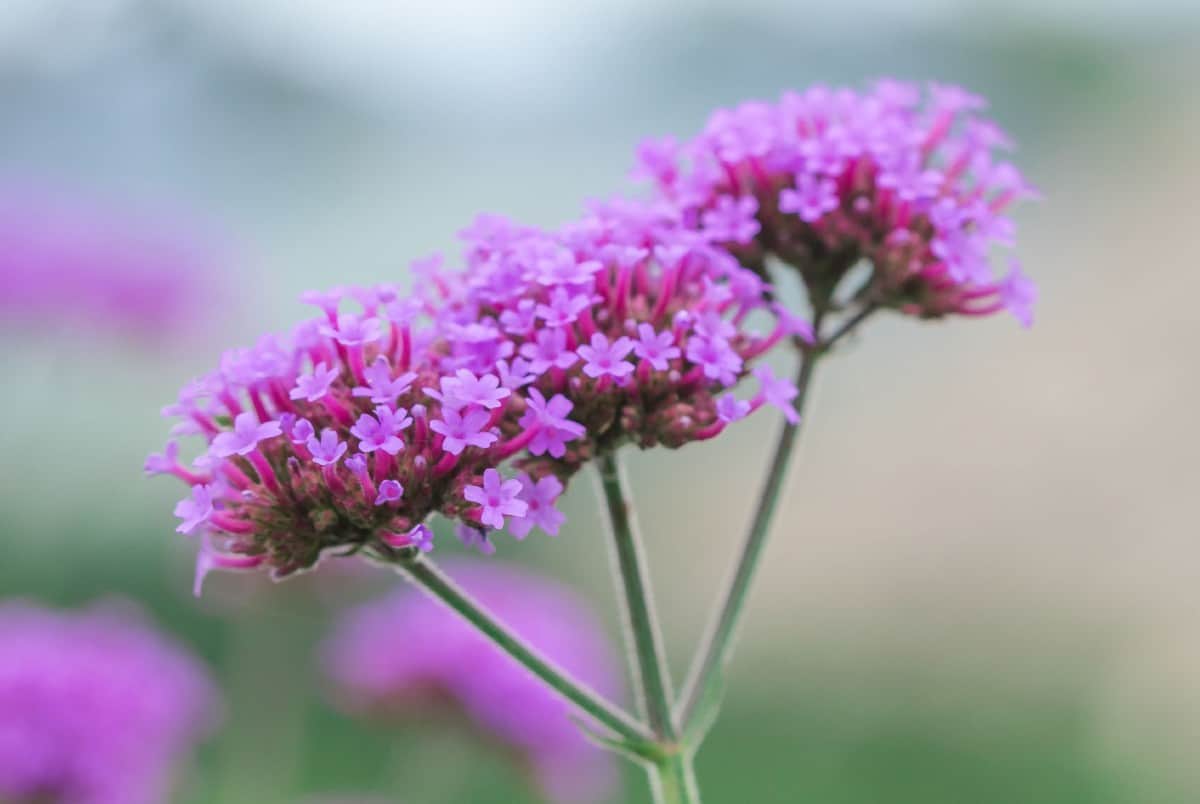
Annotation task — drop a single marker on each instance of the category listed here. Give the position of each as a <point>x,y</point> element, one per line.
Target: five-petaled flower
<point>540,496</point>
<point>328,450</point>
<point>195,510</point>
<point>496,499</point>
<point>605,358</point>
<point>244,438</point>
<point>381,431</point>
<point>389,491</point>
<point>461,430</point>
<point>314,386</point>
<point>554,429</point>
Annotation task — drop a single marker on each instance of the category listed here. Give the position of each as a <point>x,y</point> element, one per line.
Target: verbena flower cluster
<point>480,393</point>
<point>126,276</point>
<point>828,178</point>
<point>95,707</point>
<point>405,653</point>
<point>477,396</point>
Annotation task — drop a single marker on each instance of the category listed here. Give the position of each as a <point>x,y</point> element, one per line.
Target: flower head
<point>70,263</point>
<point>96,707</point>
<point>393,653</point>
<point>916,190</point>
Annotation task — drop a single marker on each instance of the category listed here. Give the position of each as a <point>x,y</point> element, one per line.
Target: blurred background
<point>983,584</point>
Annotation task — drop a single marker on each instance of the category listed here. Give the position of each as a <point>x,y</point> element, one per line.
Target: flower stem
<point>647,660</point>
<point>425,574</point>
<point>672,778</point>
<point>702,692</point>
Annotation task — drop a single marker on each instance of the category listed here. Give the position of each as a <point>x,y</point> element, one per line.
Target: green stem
<point>701,696</point>
<point>425,574</point>
<point>648,660</point>
<point>673,780</point>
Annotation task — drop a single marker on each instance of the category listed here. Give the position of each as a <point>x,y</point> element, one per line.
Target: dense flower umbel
<point>549,347</point>
<point>95,707</point>
<point>827,178</point>
<point>347,434</point>
<point>406,653</point>
<point>620,327</point>
<point>67,266</point>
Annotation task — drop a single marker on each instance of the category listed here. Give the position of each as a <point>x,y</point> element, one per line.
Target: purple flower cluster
<point>827,178</point>
<point>406,652</point>
<point>545,349</point>
<point>65,265</point>
<point>478,395</point>
<point>95,707</point>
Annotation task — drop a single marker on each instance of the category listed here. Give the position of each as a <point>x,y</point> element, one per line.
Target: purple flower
<point>520,320</point>
<point>422,538</point>
<point>711,325</point>
<point>474,537</point>
<point>302,431</point>
<point>244,438</point>
<point>540,496</point>
<point>195,510</point>
<point>357,464</point>
<point>656,159</point>
<point>354,330</point>
<point>732,220</point>
<point>777,392</point>
<point>312,387</point>
<point>812,198</point>
<point>730,408</point>
<point>715,356</point>
<point>381,431</point>
<point>389,491</point>
<point>497,498</point>
<point>908,176</point>
<point>96,706</point>
<point>564,307</point>
<point>514,375</point>
<point>464,388</point>
<point>655,348</point>
<point>1019,294</point>
<point>327,300</point>
<point>605,358</point>
<point>548,350</point>
<point>916,190</point>
<point>460,430</point>
<point>407,645</point>
<point>70,264</point>
<point>381,387</point>
<point>161,463</point>
<point>329,450</point>
<point>554,429</point>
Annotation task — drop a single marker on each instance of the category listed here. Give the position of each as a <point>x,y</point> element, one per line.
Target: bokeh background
<point>984,583</point>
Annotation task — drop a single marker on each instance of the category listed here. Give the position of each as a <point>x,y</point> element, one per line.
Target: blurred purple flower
<point>406,651</point>
<point>67,264</point>
<point>95,706</point>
